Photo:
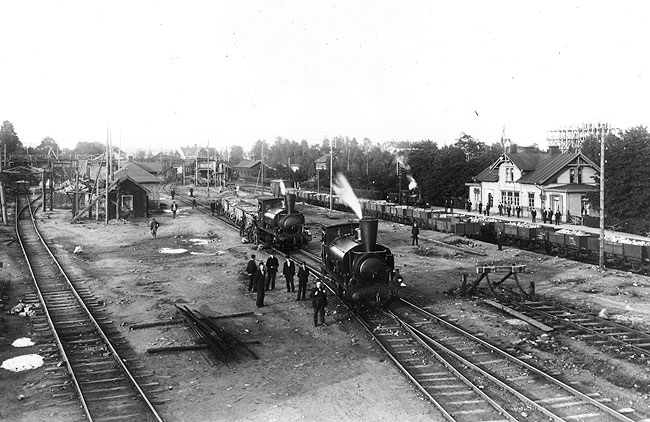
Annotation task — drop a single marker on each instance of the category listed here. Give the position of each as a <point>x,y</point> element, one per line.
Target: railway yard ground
<point>303,372</point>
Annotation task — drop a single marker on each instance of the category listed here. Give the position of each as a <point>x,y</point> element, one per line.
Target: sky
<point>157,75</point>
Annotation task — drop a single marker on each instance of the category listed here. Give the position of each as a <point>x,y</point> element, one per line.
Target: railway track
<point>101,378</point>
<point>469,379</point>
<point>609,336</point>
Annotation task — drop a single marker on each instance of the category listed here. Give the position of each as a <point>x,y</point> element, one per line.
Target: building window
<point>579,175</point>
<point>510,174</point>
<point>531,200</point>
<point>572,175</point>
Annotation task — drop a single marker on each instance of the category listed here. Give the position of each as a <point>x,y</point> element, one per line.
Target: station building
<point>551,180</point>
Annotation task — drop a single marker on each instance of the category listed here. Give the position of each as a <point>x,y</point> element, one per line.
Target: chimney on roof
<point>130,158</point>
<point>554,150</point>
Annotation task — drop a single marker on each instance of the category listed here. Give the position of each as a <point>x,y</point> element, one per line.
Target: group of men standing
<point>261,278</point>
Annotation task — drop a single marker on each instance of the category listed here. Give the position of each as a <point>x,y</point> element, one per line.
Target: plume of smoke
<point>283,189</point>
<point>344,190</point>
<point>412,183</point>
<point>401,160</point>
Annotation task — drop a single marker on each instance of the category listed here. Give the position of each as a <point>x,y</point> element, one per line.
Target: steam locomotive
<point>279,224</point>
<point>361,269</point>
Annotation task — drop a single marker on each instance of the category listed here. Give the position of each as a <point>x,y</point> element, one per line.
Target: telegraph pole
<point>331,172</point>
<point>601,254</point>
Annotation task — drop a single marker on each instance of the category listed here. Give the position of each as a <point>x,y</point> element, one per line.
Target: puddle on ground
<point>199,241</point>
<point>23,342</point>
<point>172,251</point>
<point>23,363</point>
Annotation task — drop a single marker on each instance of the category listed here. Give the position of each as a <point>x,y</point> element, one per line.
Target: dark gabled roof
<point>136,173</point>
<point>526,161</point>
<point>150,166</point>
<point>537,168</point>
<point>488,175</point>
<point>123,178</point>
<point>550,166</point>
<point>247,164</point>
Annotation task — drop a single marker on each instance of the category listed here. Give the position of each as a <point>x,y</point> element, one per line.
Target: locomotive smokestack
<point>290,200</point>
<point>369,227</point>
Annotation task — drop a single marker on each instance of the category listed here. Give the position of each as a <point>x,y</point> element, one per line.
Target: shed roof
<point>136,173</point>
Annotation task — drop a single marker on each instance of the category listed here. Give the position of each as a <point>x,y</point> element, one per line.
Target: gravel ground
<point>303,372</point>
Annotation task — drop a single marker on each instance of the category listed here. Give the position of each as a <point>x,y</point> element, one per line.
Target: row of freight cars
<point>619,252</point>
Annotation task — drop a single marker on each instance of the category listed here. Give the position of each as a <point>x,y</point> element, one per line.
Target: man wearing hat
<point>318,297</point>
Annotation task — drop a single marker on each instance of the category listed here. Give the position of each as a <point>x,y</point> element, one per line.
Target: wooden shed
<point>128,199</point>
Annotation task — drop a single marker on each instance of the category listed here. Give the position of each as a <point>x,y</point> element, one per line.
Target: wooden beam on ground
<point>519,315</point>
<point>501,268</point>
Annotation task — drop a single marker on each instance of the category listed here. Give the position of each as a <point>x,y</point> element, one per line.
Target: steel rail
<point>528,366</point>
<point>82,304</point>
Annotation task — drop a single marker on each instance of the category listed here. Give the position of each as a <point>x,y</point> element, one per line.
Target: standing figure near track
<point>303,278</point>
<point>415,231</point>
<point>173,193</point>
<point>174,209</point>
<point>153,226</point>
<point>288,271</point>
<point>318,297</point>
<point>251,269</point>
<point>272,265</point>
<point>260,275</point>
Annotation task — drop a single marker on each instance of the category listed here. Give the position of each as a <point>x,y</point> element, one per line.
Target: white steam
<point>283,189</point>
<point>344,190</point>
<point>412,183</point>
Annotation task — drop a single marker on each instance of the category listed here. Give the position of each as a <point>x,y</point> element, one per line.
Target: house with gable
<point>142,178</point>
<point>551,180</point>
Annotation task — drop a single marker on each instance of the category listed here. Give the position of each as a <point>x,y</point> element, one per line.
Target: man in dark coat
<point>318,297</point>
<point>251,269</point>
<point>480,207</point>
<point>288,271</point>
<point>173,193</point>
<point>544,215</point>
<point>533,214</point>
<point>272,265</point>
<point>303,278</point>
<point>415,231</point>
<point>174,209</point>
<point>153,226</point>
<point>499,238</point>
<point>260,275</point>
<point>558,215</point>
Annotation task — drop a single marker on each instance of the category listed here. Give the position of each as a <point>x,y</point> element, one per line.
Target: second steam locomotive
<point>361,269</point>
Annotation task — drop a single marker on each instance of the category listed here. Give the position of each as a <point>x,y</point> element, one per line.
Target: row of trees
<point>440,171</point>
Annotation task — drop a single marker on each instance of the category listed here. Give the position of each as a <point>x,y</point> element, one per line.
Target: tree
<point>9,139</point>
<point>46,144</point>
<point>627,199</point>
<point>89,148</point>
<point>236,154</point>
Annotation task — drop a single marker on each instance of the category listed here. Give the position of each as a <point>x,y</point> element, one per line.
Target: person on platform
<point>558,216</point>
<point>533,214</point>
<point>272,265</point>
<point>480,207</point>
<point>544,215</point>
<point>318,297</point>
<point>288,271</point>
<point>173,193</point>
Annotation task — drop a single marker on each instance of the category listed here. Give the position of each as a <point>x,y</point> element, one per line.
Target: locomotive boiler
<point>361,269</point>
<point>279,224</point>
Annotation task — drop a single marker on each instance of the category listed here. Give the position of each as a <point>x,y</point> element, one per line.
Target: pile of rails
<point>224,345</point>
